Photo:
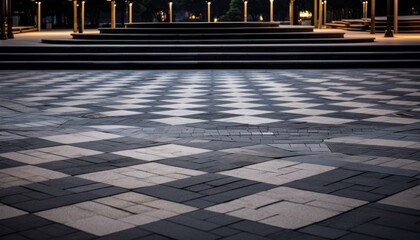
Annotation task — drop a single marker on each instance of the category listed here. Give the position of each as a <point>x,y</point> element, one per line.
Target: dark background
<point>59,12</point>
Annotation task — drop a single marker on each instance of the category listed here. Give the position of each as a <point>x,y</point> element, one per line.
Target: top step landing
<point>201,24</point>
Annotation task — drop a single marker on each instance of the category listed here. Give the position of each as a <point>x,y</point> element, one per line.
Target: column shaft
<point>9,20</point>
<point>315,13</point>
<point>82,17</point>
<point>372,17</point>
<point>388,32</point>
<point>75,17</point>
<point>395,16</point>
<point>291,11</point>
<point>208,11</point>
<point>130,13</point>
<point>271,11</point>
<point>113,20</point>
<point>245,11</point>
<point>39,18</point>
<point>320,14</point>
<point>170,12</point>
<point>3,35</point>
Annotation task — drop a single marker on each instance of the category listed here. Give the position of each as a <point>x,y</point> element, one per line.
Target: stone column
<point>75,17</point>
<point>208,11</point>
<point>271,11</point>
<point>170,12</point>
<point>39,17</point>
<point>9,20</point>
<point>113,18</point>
<point>372,17</point>
<point>388,32</point>
<point>245,11</point>
<point>365,9</point>
<point>291,11</point>
<point>82,17</point>
<point>395,16</point>
<point>319,14</point>
<point>130,12</point>
<point>315,13</point>
<point>3,34</point>
<point>325,12</point>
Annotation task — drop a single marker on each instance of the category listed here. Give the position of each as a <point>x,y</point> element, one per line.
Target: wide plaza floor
<point>210,154</point>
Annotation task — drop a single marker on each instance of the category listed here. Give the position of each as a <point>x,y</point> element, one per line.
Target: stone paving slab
<point>210,154</point>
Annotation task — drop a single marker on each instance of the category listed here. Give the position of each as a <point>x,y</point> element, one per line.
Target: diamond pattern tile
<point>210,154</point>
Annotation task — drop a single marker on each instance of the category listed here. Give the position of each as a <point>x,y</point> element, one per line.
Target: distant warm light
<point>215,20</point>
<point>305,14</point>
<point>261,18</point>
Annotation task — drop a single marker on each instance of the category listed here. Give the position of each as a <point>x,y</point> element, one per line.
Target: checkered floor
<point>223,154</point>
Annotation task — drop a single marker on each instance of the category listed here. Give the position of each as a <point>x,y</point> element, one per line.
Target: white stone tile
<point>119,113</point>
<point>291,99</point>
<point>395,120</point>
<point>185,95</point>
<point>139,219</point>
<point>409,198</point>
<point>81,137</point>
<point>362,92</point>
<point>250,120</point>
<point>298,105</point>
<point>134,101</point>
<point>178,120</point>
<point>182,106</point>
<point>65,214</point>
<point>370,111</point>
<point>160,214</point>
<point>32,157</point>
<point>179,112</point>
<point>238,94</point>
<point>184,100</point>
<point>241,105</point>
<point>281,94</point>
<point>59,110</point>
<point>100,226</point>
<point>148,174</point>
<point>327,93</point>
<point>252,214</point>
<point>246,112</point>
<point>239,99</point>
<point>277,171</point>
<point>377,96</point>
<point>17,176</point>
<point>224,208</point>
<point>74,103</point>
<point>85,97</point>
<point>323,120</point>
<point>400,89</point>
<point>287,207</point>
<point>9,212</point>
<point>354,104</point>
<point>328,205</point>
<point>126,106</point>
<point>403,103</point>
<point>35,99</point>
<point>161,152</point>
<point>310,112</point>
<point>139,95</point>
<point>69,151</point>
<point>286,222</point>
<point>112,127</point>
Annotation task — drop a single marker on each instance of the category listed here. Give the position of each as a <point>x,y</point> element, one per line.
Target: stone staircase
<point>208,45</point>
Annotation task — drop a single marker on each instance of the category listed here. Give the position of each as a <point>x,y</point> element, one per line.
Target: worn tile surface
<point>210,154</point>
